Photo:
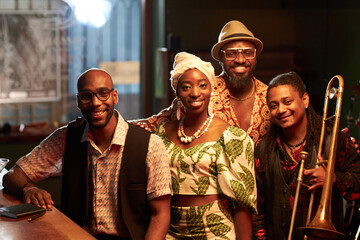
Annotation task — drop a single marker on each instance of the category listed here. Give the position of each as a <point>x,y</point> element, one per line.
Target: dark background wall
<point>317,39</point>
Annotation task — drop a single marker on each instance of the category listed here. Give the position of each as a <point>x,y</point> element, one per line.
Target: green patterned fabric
<point>224,167</point>
<point>210,221</point>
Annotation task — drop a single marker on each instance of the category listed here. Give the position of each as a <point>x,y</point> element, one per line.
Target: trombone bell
<point>322,229</point>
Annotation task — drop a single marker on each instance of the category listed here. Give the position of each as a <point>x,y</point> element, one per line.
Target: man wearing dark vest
<point>115,176</point>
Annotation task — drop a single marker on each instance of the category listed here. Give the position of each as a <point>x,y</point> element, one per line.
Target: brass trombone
<point>321,225</point>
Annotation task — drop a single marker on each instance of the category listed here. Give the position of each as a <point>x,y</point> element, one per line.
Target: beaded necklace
<point>295,150</point>
<point>292,147</point>
<point>203,129</point>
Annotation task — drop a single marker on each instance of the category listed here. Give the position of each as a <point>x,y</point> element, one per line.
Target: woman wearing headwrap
<point>212,163</point>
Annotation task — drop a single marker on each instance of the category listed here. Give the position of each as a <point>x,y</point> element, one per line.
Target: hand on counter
<point>37,196</point>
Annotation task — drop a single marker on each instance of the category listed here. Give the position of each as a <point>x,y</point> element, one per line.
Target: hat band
<point>237,35</point>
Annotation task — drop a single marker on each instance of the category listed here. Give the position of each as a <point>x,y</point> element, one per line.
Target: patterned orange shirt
<point>220,100</point>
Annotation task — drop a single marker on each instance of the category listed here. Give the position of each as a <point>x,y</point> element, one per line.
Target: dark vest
<point>132,198</point>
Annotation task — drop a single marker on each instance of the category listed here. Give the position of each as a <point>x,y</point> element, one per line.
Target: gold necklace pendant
<point>247,97</point>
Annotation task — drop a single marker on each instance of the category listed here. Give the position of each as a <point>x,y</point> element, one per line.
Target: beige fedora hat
<point>235,30</point>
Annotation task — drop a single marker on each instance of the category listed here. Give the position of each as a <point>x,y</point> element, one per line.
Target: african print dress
<point>224,167</point>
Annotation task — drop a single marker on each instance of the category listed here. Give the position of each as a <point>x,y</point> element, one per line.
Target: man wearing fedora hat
<point>243,97</point>
<point>237,96</point>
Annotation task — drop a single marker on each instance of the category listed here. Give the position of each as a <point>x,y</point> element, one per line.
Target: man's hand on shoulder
<point>142,123</point>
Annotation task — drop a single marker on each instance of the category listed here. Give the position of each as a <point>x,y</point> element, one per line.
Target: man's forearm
<point>15,180</point>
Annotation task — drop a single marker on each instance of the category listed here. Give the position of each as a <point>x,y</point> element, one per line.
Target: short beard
<point>97,124</point>
<point>239,80</point>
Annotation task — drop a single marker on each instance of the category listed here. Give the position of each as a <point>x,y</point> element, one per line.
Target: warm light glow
<point>92,12</point>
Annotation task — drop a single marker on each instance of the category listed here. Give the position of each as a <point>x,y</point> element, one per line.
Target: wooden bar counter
<point>53,225</point>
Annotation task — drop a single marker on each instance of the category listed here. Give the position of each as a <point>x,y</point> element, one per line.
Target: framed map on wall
<point>29,57</point>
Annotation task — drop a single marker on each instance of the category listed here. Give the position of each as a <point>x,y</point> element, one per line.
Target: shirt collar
<point>119,135</point>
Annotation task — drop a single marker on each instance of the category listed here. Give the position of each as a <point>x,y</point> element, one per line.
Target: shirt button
<point>284,206</point>
<point>100,178</point>
<point>283,224</point>
<point>285,190</point>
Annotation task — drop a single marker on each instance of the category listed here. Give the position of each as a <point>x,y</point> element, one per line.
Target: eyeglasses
<point>232,53</point>
<point>102,94</point>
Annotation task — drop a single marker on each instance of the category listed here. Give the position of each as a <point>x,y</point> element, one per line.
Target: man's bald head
<point>93,74</point>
